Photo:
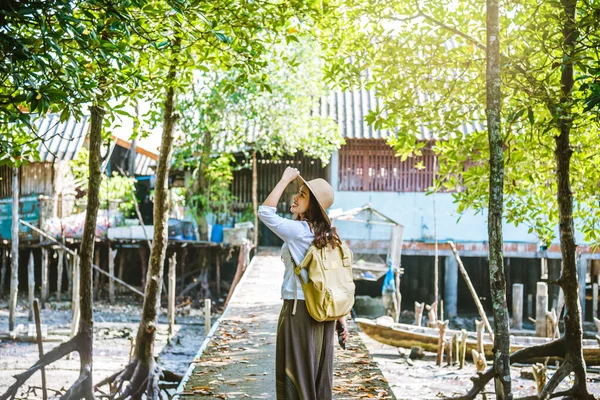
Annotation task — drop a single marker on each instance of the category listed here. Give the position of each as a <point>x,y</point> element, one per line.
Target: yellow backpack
<point>329,292</point>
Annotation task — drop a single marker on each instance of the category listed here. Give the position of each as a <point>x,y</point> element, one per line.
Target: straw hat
<point>322,191</point>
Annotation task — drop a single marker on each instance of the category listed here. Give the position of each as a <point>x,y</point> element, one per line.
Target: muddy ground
<point>422,379</point>
<point>114,328</point>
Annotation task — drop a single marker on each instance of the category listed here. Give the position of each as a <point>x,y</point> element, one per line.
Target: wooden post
<point>544,268</point>
<point>552,330</point>
<point>582,268</point>
<point>441,309</point>
<point>479,329</point>
<point>112,254</point>
<point>594,300</point>
<point>59,273</point>
<point>450,286</point>
<point>396,253</point>
<point>449,355</point>
<point>597,322</point>
<point>75,297</point>
<point>419,313</point>
<point>397,296</point>
<point>44,277</point>
<point>560,303</point>
<point>517,306</point>
<point>442,334</point>
<point>539,374</point>
<point>479,360</point>
<point>464,274</point>
<point>171,294</point>
<point>181,272</point>
<point>239,272</point>
<point>455,348</point>
<point>255,196</point>
<point>541,308</point>
<point>207,307</point>
<point>4,255</point>
<point>555,324</point>
<point>31,283</point>
<point>218,274</point>
<point>14,251</point>
<point>69,265</point>
<point>121,265</point>
<point>436,258</point>
<point>463,346</point>
<point>40,343</point>
<point>529,305</point>
<point>431,315</point>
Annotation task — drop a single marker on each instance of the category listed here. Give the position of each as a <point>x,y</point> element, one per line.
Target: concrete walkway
<point>238,358</point>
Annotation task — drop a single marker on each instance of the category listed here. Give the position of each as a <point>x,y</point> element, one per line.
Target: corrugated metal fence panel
<point>269,172</point>
<point>371,165</point>
<point>5,181</point>
<point>36,178</point>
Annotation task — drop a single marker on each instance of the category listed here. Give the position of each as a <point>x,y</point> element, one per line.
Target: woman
<point>304,355</point>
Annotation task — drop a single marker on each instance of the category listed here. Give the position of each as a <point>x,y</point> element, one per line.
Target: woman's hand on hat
<point>290,174</point>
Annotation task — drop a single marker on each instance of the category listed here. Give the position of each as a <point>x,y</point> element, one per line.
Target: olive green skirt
<point>304,359</point>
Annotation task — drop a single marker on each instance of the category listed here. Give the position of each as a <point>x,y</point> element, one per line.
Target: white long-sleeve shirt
<point>298,237</point>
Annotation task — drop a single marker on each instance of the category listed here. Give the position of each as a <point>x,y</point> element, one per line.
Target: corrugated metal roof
<point>145,160</point>
<point>144,165</point>
<point>349,109</point>
<point>60,140</point>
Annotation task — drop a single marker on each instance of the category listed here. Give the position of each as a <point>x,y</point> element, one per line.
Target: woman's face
<point>301,200</point>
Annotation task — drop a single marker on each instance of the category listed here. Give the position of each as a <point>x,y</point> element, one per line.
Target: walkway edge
<point>211,333</point>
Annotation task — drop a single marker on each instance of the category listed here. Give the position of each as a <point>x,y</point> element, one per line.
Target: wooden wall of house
<point>53,181</point>
<point>269,173</point>
<point>39,179</point>
<point>371,165</point>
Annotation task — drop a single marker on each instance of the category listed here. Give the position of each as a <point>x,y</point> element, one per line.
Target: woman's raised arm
<point>289,175</point>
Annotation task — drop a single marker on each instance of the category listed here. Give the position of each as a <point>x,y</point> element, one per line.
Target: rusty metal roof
<point>60,140</point>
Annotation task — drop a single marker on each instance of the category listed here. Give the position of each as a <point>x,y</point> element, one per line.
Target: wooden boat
<point>407,336</point>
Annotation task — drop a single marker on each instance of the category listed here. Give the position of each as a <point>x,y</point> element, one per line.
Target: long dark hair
<point>325,234</point>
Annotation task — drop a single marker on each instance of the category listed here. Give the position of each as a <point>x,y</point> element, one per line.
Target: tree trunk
<point>497,279</point>
<point>255,196</point>
<point>563,152</point>
<point>147,329</point>
<point>14,251</point>
<point>86,253</point>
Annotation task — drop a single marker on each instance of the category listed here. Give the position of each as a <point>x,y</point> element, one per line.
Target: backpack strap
<point>297,272</point>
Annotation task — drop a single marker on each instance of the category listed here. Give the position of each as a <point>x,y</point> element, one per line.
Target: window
<point>371,165</point>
